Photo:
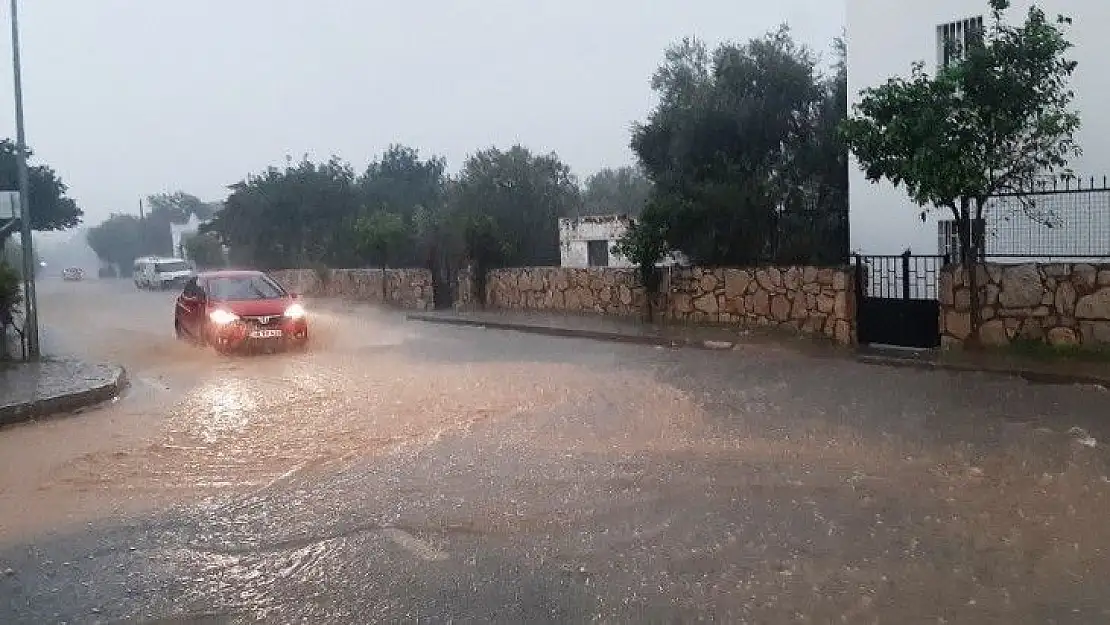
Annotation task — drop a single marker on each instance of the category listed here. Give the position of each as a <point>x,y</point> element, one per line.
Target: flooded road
<point>402,472</point>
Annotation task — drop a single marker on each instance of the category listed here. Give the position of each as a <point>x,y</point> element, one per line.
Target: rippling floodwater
<point>399,472</point>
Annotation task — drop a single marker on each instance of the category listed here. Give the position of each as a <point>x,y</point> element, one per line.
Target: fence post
<point>860,286</point>
<point>906,275</point>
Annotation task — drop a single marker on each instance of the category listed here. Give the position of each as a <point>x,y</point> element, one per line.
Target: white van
<point>152,272</point>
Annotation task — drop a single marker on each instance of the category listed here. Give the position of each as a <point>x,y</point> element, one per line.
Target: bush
<point>11,293</point>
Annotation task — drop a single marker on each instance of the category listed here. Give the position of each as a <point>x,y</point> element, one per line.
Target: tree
<point>296,216</point>
<point>402,183</point>
<point>117,240</point>
<point>994,121</point>
<point>621,191</point>
<point>205,249</point>
<point>381,234</point>
<point>734,151</point>
<point>486,248</point>
<point>11,296</point>
<point>813,227</point>
<point>50,208</point>
<point>645,245</point>
<point>523,195</point>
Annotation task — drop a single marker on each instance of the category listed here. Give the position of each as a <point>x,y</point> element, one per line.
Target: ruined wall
<point>574,233</point>
<point>405,288</point>
<point>1059,304</point>
<point>810,300</point>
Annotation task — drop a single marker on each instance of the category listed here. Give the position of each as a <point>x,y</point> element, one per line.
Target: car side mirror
<point>294,295</point>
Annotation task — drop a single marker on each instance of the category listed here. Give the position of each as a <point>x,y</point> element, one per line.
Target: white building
<point>885,37</point>
<point>180,232</point>
<point>588,241</point>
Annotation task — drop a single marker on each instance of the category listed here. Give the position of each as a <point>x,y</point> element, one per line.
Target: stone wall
<point>810,300</point>
<point>405,288</point>
<point>609,291</point>
<point>1057,304</point>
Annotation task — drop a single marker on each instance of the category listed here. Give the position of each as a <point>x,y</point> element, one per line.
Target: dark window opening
<point>597,253</point>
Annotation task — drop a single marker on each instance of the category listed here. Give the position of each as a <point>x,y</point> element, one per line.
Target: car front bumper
<point>174,283</point>
<point>243,335</point>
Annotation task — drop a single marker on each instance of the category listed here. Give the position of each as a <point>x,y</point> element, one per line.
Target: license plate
<point>266,334</point>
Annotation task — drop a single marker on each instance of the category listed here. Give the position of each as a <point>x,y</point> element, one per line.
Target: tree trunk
<point>969,260</point>
<point>385,288</point>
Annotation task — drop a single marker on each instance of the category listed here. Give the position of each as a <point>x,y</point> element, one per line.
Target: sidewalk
<point>1040,370</point>
<point>618,329</point>
<point>33,390</point>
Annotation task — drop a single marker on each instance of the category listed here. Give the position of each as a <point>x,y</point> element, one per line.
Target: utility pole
<point>31,323</point>
<point>142,229</point>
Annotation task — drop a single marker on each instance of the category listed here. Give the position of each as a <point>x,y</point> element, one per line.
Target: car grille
<point>263,320</point>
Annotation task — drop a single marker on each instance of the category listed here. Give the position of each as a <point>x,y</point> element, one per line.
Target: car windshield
<point>239,288</point>
<point>177,265</point>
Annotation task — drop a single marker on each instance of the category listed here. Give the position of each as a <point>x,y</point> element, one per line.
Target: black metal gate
<point>896,300</point>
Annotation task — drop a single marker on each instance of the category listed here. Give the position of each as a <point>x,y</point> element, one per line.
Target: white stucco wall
<point>886,36</point>
<point>575,233</point>
<point>180,231</point>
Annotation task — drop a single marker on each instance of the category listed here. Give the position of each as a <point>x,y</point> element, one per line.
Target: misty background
<point>125,99</point>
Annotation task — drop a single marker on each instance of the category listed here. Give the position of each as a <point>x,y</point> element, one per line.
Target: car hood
<point>256,307</point>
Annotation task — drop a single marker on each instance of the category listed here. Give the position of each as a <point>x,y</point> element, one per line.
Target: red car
<point>233,310</point>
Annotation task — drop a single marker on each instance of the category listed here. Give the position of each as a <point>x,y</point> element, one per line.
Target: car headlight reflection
<point>222,317</point>
<point>295,311</point>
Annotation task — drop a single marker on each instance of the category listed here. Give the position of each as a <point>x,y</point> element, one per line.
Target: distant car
<point>153,272</point>
<point>240,311</point>
<point>73,274</point>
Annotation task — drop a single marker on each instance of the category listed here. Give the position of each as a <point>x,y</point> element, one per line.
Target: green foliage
<point>621,191</point>
<point>743,153</point>
<point>994,122</point>
<point>518,196</point>
<point>402,183</point>
<point>205,249</point>
<point>292,216</point>
<point>308,213</point>
<point>117,240</point>
<point>1039,350</point>
<point>11,294</point>
<point>645,245</point>
<point>486,247</point>
<point>380,235</point>
<point>124,237</point>
<point>50,208</point>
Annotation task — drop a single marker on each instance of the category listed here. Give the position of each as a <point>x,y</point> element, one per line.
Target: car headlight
<point>222,317</point>
<point>295,311</point>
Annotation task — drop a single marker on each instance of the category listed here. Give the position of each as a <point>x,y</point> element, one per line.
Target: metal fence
<point>1053,220</point>
<point>905,276</point>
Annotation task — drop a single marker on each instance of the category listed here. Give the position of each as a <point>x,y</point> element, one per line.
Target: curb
<point>67,403</point>
<point>613,337</point>
<point>1036,377</point>
<point>1029,375</point>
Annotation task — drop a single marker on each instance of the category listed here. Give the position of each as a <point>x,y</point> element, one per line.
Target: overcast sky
<point>131,97</point>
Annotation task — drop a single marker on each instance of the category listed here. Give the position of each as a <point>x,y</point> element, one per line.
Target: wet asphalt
<point>401,472</point>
